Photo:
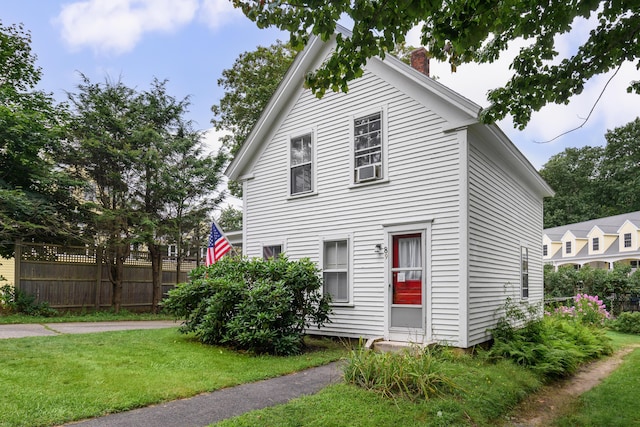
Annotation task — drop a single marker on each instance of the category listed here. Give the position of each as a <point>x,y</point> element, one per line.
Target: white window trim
<point>522,271</point>
<point>280,243</point>
<point>332,238</point>
<point>571,246</point>
<point>385,146</point>
<point>406,226</point>
<point>314,163</point>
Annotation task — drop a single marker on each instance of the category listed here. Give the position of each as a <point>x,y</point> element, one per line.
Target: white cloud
<point>116,26</point>
<point>217,13</point>
<point>211,139</point>
<point>616,108</point>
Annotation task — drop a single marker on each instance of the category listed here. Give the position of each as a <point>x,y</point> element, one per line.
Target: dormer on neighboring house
<point>629,236</point>
<point>572,244</point>
<point>600,239</point>
<point>599,243</point>
<point>551,244</point>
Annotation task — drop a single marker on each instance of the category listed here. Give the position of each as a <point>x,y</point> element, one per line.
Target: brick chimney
<point>420,60</point>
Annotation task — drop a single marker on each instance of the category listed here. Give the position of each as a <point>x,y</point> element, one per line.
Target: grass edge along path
<point>486,399</point>
<point>614,402</point>
<point>53,380</point>
<point>487,391</point>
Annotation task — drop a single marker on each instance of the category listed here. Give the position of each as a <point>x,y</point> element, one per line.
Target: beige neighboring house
<point>598,243</point>
<point>422,219</point>
<point>7,270</point>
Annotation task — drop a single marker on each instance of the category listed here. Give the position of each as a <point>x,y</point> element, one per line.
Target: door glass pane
<point>407,269</point>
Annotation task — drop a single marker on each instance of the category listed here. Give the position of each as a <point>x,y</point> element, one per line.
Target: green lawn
<point>615,401</point>
<point>488,392</point>
<point>51,380</point>
<point>93,316</point>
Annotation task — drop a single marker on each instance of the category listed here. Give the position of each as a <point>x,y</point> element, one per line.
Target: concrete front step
<point>379,344</point>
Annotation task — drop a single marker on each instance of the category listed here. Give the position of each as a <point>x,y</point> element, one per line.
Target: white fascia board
<point>268,121</point>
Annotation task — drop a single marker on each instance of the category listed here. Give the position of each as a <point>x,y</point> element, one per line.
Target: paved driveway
<point>49,329</point>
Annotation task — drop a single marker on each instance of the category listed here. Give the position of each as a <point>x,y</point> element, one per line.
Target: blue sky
<point>190,43</point>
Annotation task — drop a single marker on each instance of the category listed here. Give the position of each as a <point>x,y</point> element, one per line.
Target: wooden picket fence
<point>74,278</point>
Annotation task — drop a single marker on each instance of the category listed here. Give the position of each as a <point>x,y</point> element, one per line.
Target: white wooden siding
<point>503,216</point>
<point>424,167</point>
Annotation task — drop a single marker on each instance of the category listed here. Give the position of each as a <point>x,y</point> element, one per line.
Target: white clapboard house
<point>422,219</point>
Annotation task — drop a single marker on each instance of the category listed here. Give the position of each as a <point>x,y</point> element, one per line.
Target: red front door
<point>407,269</point>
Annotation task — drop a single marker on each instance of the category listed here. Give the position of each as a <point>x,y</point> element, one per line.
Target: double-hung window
<point>524,271</point>
<point>596,244</point>
<point>545,250</point>
<point>368,136</point>
<point>627,240</point>
<point>567,247</point>
<point>301,173</point>
<point>335,270</point>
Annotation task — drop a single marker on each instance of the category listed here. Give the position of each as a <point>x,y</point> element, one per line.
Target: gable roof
<point>457,111</point>
<point>609,224</point>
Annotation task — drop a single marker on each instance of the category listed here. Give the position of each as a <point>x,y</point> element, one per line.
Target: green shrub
<point>414,374</point>
<point>627,323</point>
<point>255,305</point>
<point>553,346</point>
<point>16,301</point>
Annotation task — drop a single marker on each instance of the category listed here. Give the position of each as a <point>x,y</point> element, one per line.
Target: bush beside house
<point>254,305</point>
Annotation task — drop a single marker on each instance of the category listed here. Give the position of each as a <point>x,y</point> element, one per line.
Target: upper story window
<point>301,164</point>
<point>595,244</point>
<point>567,247</point>
<point>367,134</point>
<point>545,250</point>
<point>627,240</point>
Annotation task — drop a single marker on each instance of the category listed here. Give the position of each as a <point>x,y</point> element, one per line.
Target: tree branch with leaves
<point>461,32</point>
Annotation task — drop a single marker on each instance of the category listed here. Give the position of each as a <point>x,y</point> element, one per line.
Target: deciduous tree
<point>248,86</point>
<point>575,175</point>
<point>462,31</point>
<point>35,196</point>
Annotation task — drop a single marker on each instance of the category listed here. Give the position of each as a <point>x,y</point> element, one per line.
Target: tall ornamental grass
<point>414,373</point>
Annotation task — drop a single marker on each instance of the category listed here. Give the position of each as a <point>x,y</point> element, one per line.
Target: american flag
<point>218,245</point>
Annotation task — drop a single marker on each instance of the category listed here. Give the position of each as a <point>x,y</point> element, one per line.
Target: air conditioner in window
<point>368,173</point>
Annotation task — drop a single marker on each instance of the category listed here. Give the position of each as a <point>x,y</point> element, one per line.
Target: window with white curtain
<point>335,270</point>
<point>410,257</point>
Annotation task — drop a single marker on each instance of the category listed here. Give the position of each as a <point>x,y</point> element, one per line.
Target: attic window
<point>301,164</point>
<point>627,240</point>
<point>567,247</point>
<point>596,244</point>
<point>367,134</point>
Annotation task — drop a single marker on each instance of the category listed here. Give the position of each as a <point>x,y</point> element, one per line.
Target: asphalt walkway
<point>209,408</point>
<point>198,411</point>
<point>51,329</point>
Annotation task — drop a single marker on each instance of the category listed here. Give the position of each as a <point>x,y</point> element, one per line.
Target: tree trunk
<point>156,276</point>
<point>116,257</point>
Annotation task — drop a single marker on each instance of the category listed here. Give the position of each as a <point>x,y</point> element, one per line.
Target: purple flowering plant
<point>587,309</point>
